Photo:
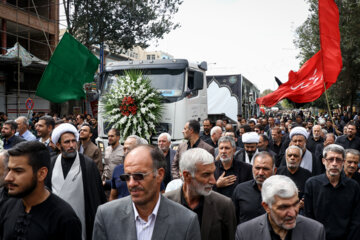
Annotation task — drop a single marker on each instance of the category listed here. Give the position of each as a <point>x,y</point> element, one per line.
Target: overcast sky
<point>249,37</point>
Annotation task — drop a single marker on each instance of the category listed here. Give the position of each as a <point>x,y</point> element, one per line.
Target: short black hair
<point>49,121</point>
<point>195,126</point>
<point>265,138</point>
<point>85,124</point>
<point>12,123</point>
<point>246,128</point>
<point>36,151</point>
<point>117,132</point>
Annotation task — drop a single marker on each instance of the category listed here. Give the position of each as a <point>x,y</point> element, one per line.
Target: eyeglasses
<point>337,160</point>
<point>135,176</point>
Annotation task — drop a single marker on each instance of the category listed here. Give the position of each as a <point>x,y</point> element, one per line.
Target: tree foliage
<point>344,91</point>
<point>120,24</point>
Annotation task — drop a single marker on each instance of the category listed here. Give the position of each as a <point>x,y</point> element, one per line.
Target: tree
<point>344,91</point>
<point>120,24</point>
<point>266,92</point>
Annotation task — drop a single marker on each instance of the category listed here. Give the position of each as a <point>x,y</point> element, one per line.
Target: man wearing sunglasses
<point>333,199</point>
<point>145,214</point>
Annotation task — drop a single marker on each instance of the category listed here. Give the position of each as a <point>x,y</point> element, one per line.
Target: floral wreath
<point>132,105</point>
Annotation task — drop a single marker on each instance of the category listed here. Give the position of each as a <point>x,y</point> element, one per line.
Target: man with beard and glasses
<point>247,195</point>
<point>333,199</point>
<point>75,177</point>
<point>4,159</point>
<point>352,157</point>
<point>229,170</point>
<point>250,140</point>
<point>145,214</point>
<point>33,212</point>
<point>293,170</point>
<point>281,221</point>
<point>216,213</point>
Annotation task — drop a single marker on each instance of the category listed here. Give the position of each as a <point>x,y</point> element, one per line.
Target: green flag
<point>70,67</point>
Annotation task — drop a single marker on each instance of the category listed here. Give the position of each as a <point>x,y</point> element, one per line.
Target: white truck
<point>182,84</point>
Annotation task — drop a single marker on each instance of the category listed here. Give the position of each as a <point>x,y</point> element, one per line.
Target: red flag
<point>307,84</point>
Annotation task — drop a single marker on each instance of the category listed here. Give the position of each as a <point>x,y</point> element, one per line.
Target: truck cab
<point>181,83</point>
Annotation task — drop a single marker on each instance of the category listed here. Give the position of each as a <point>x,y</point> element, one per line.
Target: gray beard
<point>69,155</point>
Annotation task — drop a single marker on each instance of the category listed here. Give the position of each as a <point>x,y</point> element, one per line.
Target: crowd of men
<point>272,177</point>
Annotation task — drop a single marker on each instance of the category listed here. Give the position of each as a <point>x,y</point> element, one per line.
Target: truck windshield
<point>170,82</point>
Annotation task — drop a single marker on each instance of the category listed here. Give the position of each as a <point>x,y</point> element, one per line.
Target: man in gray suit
<point>281,221</point>
<point>216,212</point>
<point>145,214</point>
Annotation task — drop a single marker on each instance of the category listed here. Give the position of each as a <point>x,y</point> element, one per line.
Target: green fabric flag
<point>70,67</point>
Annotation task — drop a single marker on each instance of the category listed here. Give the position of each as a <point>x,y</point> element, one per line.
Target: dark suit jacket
<point>258,228</point>
<point>218,219</point>
<point>116,220</point>
<point>181,149</point>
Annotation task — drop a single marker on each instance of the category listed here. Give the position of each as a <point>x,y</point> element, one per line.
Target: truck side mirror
<point>198,81</point>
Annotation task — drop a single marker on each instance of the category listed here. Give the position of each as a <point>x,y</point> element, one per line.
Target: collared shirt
<point>311,143</point>
<point>299,177</point>
<point>204,136</point>
<point>144,229</point>
<point>194,146</point>
<point>46,142</point>
<point>113,157</point>
<point>337,208</point>
<point>241,170</point>
<point>198,209</point>
<point>346,143</point>
<point>274,235</point>
<point>247,201</point>
<point>27,135</point>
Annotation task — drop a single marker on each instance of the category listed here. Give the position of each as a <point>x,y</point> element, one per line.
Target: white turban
<point>64,128</point>
<point>299,131</point>
<point>253,119</point>
<point>250,137</point>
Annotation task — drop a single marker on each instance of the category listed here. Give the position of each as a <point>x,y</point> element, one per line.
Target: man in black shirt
<point>293,170</point>
<point>216,213</point>
<point>215,134</point>
<point>352,157</point>
<point>34,213</point>
<point>229,170</point>
<point>207,125</point>
<point>247,195</point>
<point>349,140</point>
<point>333,199</point>
<point>314,139</point>
<point>8,131</point>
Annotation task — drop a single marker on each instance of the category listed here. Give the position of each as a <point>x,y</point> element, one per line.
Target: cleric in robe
<point>75,177</point>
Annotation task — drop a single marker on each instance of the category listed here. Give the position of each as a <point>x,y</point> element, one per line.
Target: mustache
<point>134,189</point>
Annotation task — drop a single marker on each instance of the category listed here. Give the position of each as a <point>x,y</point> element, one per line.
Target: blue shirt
<point>28,136</point>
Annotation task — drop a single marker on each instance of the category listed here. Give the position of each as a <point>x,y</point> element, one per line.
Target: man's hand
<point>225,181</point>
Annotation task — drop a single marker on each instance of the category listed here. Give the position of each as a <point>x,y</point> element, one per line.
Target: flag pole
<point>328,105</point>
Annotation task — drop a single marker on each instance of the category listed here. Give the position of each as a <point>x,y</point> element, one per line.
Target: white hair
<point>294,147</point>
<point>137,138</point>
<point>277,185</point>
<point>191,157</point>
<point>168,137</point>
<point>24,120</point>
<point>214,129</point>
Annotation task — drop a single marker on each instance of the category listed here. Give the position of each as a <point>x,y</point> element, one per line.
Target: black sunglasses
<point>135,176</point>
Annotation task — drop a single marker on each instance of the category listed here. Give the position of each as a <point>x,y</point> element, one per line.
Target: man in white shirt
<point>23,129</point>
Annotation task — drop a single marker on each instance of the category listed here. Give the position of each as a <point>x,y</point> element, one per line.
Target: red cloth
<point>307,84</point>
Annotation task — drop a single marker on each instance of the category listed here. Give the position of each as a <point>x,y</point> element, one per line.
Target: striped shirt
<point>144,229</point>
